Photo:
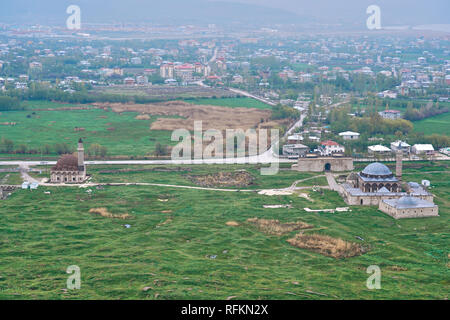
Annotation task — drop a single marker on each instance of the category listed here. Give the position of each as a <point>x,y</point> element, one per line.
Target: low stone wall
<point>321,164</point>
<point>6,190</point>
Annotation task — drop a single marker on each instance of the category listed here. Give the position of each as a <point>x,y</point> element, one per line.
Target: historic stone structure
<point>409,207</point>
<point>376,177</point>
<point>376,185</point>
<point>5,191</point>
<point>320,164</point>
<point>70,168</point>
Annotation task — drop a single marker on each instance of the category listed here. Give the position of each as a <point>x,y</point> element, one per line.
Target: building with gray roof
<point>408,207</point>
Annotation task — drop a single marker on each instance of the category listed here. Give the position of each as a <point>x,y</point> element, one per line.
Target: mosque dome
<point>67,162</point>
<point>377,169</point>
<point>408,201</point>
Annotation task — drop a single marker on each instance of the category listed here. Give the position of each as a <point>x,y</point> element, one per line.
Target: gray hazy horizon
<point>350,13</point>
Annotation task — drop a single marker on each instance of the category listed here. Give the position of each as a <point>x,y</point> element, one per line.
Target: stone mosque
<point>70,168</point>
<point>376,185</point>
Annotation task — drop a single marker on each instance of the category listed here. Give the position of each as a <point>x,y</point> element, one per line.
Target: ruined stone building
<point>70,168</point>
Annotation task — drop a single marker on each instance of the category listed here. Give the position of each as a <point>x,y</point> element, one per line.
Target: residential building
<point>422,149</point>
<point>349,135</point>
<point>378,149</point>
<point>299,150</point>
<point>400,146</point>
<point>390,114</point>
<point>294,139</point>
<point>329,148</point>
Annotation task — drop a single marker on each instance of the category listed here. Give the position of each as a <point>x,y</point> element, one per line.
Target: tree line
<point>7,146</point>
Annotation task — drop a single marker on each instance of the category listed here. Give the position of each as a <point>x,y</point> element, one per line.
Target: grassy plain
<point>122,134</point>
<point>179,246</point>
<point>232,102</point>
<point>438,124</point>
<point>44,122</point>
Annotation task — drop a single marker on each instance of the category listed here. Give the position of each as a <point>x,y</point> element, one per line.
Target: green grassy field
<point>10,178</point>
<point>122,134</point>
<point>438,124</point>
<point>232,102</point>
<point>179,175</point>
<point>170,243</point>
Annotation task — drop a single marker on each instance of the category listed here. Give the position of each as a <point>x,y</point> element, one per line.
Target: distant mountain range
<point>158,11</point>
<point>264,12</point>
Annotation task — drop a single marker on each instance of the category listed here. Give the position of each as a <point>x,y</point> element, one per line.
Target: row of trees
<point>282,112</point>
<point>7,146</point>
<point>424,112</point>
<point>37,92</point>
<point>340,120</point>
<point>9,103</point>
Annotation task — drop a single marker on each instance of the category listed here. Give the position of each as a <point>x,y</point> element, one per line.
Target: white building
<point>295,150</point>
<point>294,139</point>
<point>445,151</point>
<point>378,149</point>
<point>328,148</point>
<point>349,135</point>
<point>422,149</point>
<point>401,146</point>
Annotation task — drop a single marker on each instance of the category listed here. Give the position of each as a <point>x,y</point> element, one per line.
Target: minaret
<point>398,164</point>
<point>80,155</point>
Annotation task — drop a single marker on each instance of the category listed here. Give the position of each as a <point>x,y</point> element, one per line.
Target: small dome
<point>377,169</point>
<point>383,190</point>
<point>407,201</point>
<point>67,162</point>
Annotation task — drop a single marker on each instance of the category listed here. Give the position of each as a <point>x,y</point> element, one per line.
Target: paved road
<point>247,94</point>
<point>266,157</point>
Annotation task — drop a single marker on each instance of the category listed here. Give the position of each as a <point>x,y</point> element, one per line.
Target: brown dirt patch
<point>104,213</point>
<point>142,117</point>
<point>397,268</point>
<point>239,178</point>
<point>232,224</point>
<point>213,117</point>
<point>326,245</point>
<point>275,227</point>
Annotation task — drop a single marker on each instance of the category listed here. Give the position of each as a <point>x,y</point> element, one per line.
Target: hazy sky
<point>346,12</point>
<point>394,11</point>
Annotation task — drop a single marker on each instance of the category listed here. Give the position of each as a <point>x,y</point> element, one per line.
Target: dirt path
<point>294,185</point>
<point>332,182</point>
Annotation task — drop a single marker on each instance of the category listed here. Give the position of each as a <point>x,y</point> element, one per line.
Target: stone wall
<point>321,164</point>
<point>67,176</point>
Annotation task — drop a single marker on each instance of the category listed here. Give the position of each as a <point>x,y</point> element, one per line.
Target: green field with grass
<point>438,124</point>
<point>179,246</point>
<point>49,123</point>
<point>121,134</point>
<point>10,178</point>
<point>244,102</point>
